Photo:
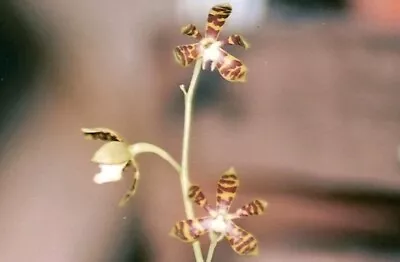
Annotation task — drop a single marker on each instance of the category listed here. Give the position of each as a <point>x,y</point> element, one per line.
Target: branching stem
<point>141,147</point>
<point>185,182</point>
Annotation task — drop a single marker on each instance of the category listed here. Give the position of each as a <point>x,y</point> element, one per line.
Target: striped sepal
<point>216,20</point>
<point>132,190</point>
<point>192,31</point>
<point>190,230</point>
<point>226,189</point>
<point>198,197</point>
<point>101,133</point>
<point>236,40</point>
<point>186,54</point>
<point>254,208</point>
<point>231,68</point>
<point>241,241</point>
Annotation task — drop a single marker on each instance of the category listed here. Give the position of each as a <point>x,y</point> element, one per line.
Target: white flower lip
<point>219,225</point>
<point>109,173</point>
<point>211,53</point>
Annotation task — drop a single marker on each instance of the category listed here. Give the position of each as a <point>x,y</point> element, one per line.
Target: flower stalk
<point>184,174</point>
<point>213,244</point>
<point>140,148</point>
<point>211,249</point>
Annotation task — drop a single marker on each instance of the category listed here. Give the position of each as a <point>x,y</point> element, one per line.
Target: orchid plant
<point>116,154</point>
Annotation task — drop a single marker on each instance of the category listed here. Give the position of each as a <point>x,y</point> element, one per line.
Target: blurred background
<point>315,130</point>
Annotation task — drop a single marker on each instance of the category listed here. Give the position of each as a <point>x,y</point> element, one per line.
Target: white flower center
<point>211,52</point>
<point>109,173</point>
<point>219,225</point>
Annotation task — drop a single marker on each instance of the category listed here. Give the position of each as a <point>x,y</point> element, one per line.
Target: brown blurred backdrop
<point>315,130</point>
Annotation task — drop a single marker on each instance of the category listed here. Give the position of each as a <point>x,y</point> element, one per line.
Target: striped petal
<point>226,190</point>
<point>236,40</point>
<point>198,197</point>
<point>192,31</point>
<point>241,241</point>
<point>231,68</point>
<point>101,133</point>
<point>190,230</point>
<point>186,54</point>
<point>132,189</point>
<point>254,208</point>
<point>216,20</point>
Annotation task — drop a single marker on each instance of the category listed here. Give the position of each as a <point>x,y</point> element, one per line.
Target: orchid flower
<point>219,221</point>
<point>209,48</point>
<point>113,158</point>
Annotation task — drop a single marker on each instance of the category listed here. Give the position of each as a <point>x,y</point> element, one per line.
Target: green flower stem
<point>211,249</point>
<point>185,182</point>
<point>140,148</point>
<point>214,241</point>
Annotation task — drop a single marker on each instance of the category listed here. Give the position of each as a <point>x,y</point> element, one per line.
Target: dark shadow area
<point>133,246</point>
<point>308,8</point>
<point>22,55</point>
